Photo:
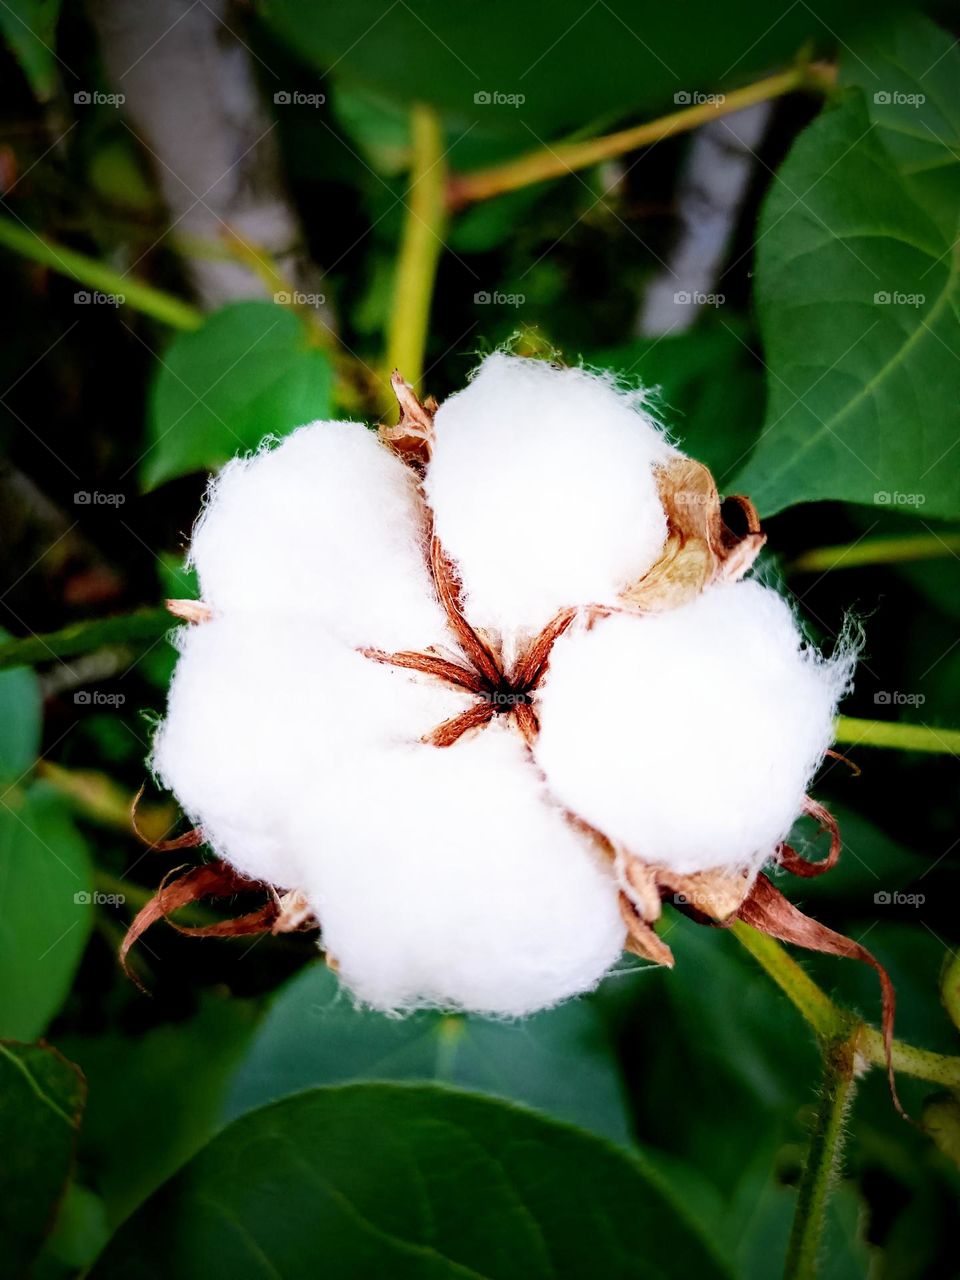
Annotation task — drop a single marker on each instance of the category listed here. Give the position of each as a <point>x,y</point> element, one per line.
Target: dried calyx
<point>511,666</point>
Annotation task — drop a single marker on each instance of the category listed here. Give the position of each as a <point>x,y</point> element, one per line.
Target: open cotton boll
<point>260,713</point>
<point>445,878</point>
<point>690,736</point>
<point>543,492</point>
<point>326,525</point>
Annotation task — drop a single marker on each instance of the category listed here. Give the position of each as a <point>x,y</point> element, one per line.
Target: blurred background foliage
<point>267,297</point>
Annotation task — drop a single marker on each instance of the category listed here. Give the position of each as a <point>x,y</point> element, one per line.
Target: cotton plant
<point>477,692</point>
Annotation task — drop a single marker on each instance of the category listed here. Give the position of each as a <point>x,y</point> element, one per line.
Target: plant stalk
<point>822,1167</point>
<point>568,157</point>
<point>142,297</point>
<point>420,248</point>
<point>900,737</point>
<point>831,1023</point>
<point>852,555</point>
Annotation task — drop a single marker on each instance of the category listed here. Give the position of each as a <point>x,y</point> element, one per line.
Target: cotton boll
<point>690,737</point>
<point>260,715</point>
<point>543,491</point>
<point>442,876</point>
<point>324,525</point>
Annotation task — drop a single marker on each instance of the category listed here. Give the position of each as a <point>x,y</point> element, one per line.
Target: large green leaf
<point>249,372</point>
<point>41,1099</point>
<point>20,720</point>
<point>408,1181</point>
<point>45,907</point>
<point>313,1035</point>
<point>858,290</point>
<point>181,1071</point>
<point>569,66</point>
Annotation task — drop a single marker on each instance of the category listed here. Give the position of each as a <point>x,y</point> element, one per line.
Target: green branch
<point>420,248</point>
<point>852,555</point>
<point>153,302</point>
<point>831,1023</point>
<point>83,637</point>
<point>850,731</point>
<point>822,1167</point>
<point>568,157</point>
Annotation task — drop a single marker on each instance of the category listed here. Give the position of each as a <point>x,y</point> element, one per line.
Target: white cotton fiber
<point>259,716</point>
<point>443,877</point>
<point>324,525</point>
<point>690,737</point>
<point>542,486</point>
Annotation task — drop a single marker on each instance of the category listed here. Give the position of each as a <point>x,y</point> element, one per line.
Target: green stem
<point>830,1022</point>
<point>78,266</point>
<point>901,737</point>
<point>567,157</point>
<point>815,1005</point>
<point>420,248</point>
<point>83,637</point>
<point>822,1166</point>
<point>851,555</point>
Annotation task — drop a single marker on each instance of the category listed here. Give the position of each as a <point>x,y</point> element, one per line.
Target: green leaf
<point>909,78</point>
<point>857,293</point>
<point>247,373</point>
<point>408,1181</point>
<point>182,1071</point>
<point>45,908</point>
<point>518,75</point>
<point>41,1100</point>
<point>83,637</point>
<point>21,719</point>
<point>313,1035</point>
<point>710,392</point>
<point>29,28</point>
